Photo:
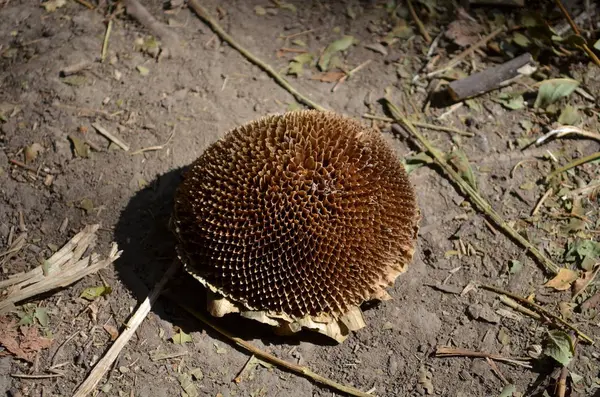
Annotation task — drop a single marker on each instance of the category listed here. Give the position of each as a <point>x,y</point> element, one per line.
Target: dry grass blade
<point>131,327</point>
<point>203,14</point>
<point>105,42</point>
<point>473,195</point>
<point>567,130</point>
<point>423,125</point>
<point>16,246</point>
<point>297,369</point>
<point>573,164</point>
<point>444,351</point>
<point>63,268</point>
<point>158,147</point>
<point>540,310</point>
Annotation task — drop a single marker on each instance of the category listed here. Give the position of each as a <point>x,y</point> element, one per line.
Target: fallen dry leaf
<point>583,281</point>
<point>112,331</point>
<point>24,347</point>
<point>328,77</point>
<point>464,32</point>
<point>32,151</point>
<point>32,342</point>
<point>562,281</point>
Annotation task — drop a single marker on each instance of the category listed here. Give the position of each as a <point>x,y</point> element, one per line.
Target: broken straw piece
<point>63,268</point>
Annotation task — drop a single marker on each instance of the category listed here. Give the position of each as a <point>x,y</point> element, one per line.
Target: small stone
<point>481,312</point>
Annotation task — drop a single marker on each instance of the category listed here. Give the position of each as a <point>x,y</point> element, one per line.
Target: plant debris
<point>24,343</point>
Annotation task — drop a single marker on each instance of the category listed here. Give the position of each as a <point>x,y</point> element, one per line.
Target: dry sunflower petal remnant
<point>295,220</point>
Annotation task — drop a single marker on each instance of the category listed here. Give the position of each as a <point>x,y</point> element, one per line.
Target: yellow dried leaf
<point>562,281</point>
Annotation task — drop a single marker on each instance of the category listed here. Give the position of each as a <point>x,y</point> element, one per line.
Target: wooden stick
<point>203,14</point>
<point>37,376</point>
<point>518,307</point>
<point>141,14</point>
<point>456,60</point>
<point>111,137</point>
<point>540,310</point>
<point>470,192</point>
<point>297,369</point>
<point>489,79</point>
<point>131,327</point>
<point>568,17</point>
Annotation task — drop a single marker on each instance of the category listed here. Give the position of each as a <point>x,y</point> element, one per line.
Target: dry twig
<point>105,42</point>
<point>545,313</point>
<point>203,14</point>
<point>103,131</point>
<point>489,79</point>
<point>86,4</point>
<point>567,130</point>
<point>444,351</point>
<point>158,147</point>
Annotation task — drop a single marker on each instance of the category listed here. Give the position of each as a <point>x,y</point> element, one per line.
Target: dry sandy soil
<point>210,88</point>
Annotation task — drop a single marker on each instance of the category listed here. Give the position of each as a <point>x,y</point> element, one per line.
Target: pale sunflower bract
<point>295,220</point>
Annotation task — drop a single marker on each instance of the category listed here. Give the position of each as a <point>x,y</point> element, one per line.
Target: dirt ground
<point>210,88</point>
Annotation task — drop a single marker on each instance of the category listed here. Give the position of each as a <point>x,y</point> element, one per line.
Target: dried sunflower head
<point>297,219</point>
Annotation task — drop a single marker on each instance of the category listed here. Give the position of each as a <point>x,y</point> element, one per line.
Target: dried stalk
<point>297,369</point>
<point>469,191</point>
<point>573,164</point>
<point>422,125</point>
<point>540,310</point>
<point>417,20</point>
<point>63,268</point>
<point>444,351</point>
